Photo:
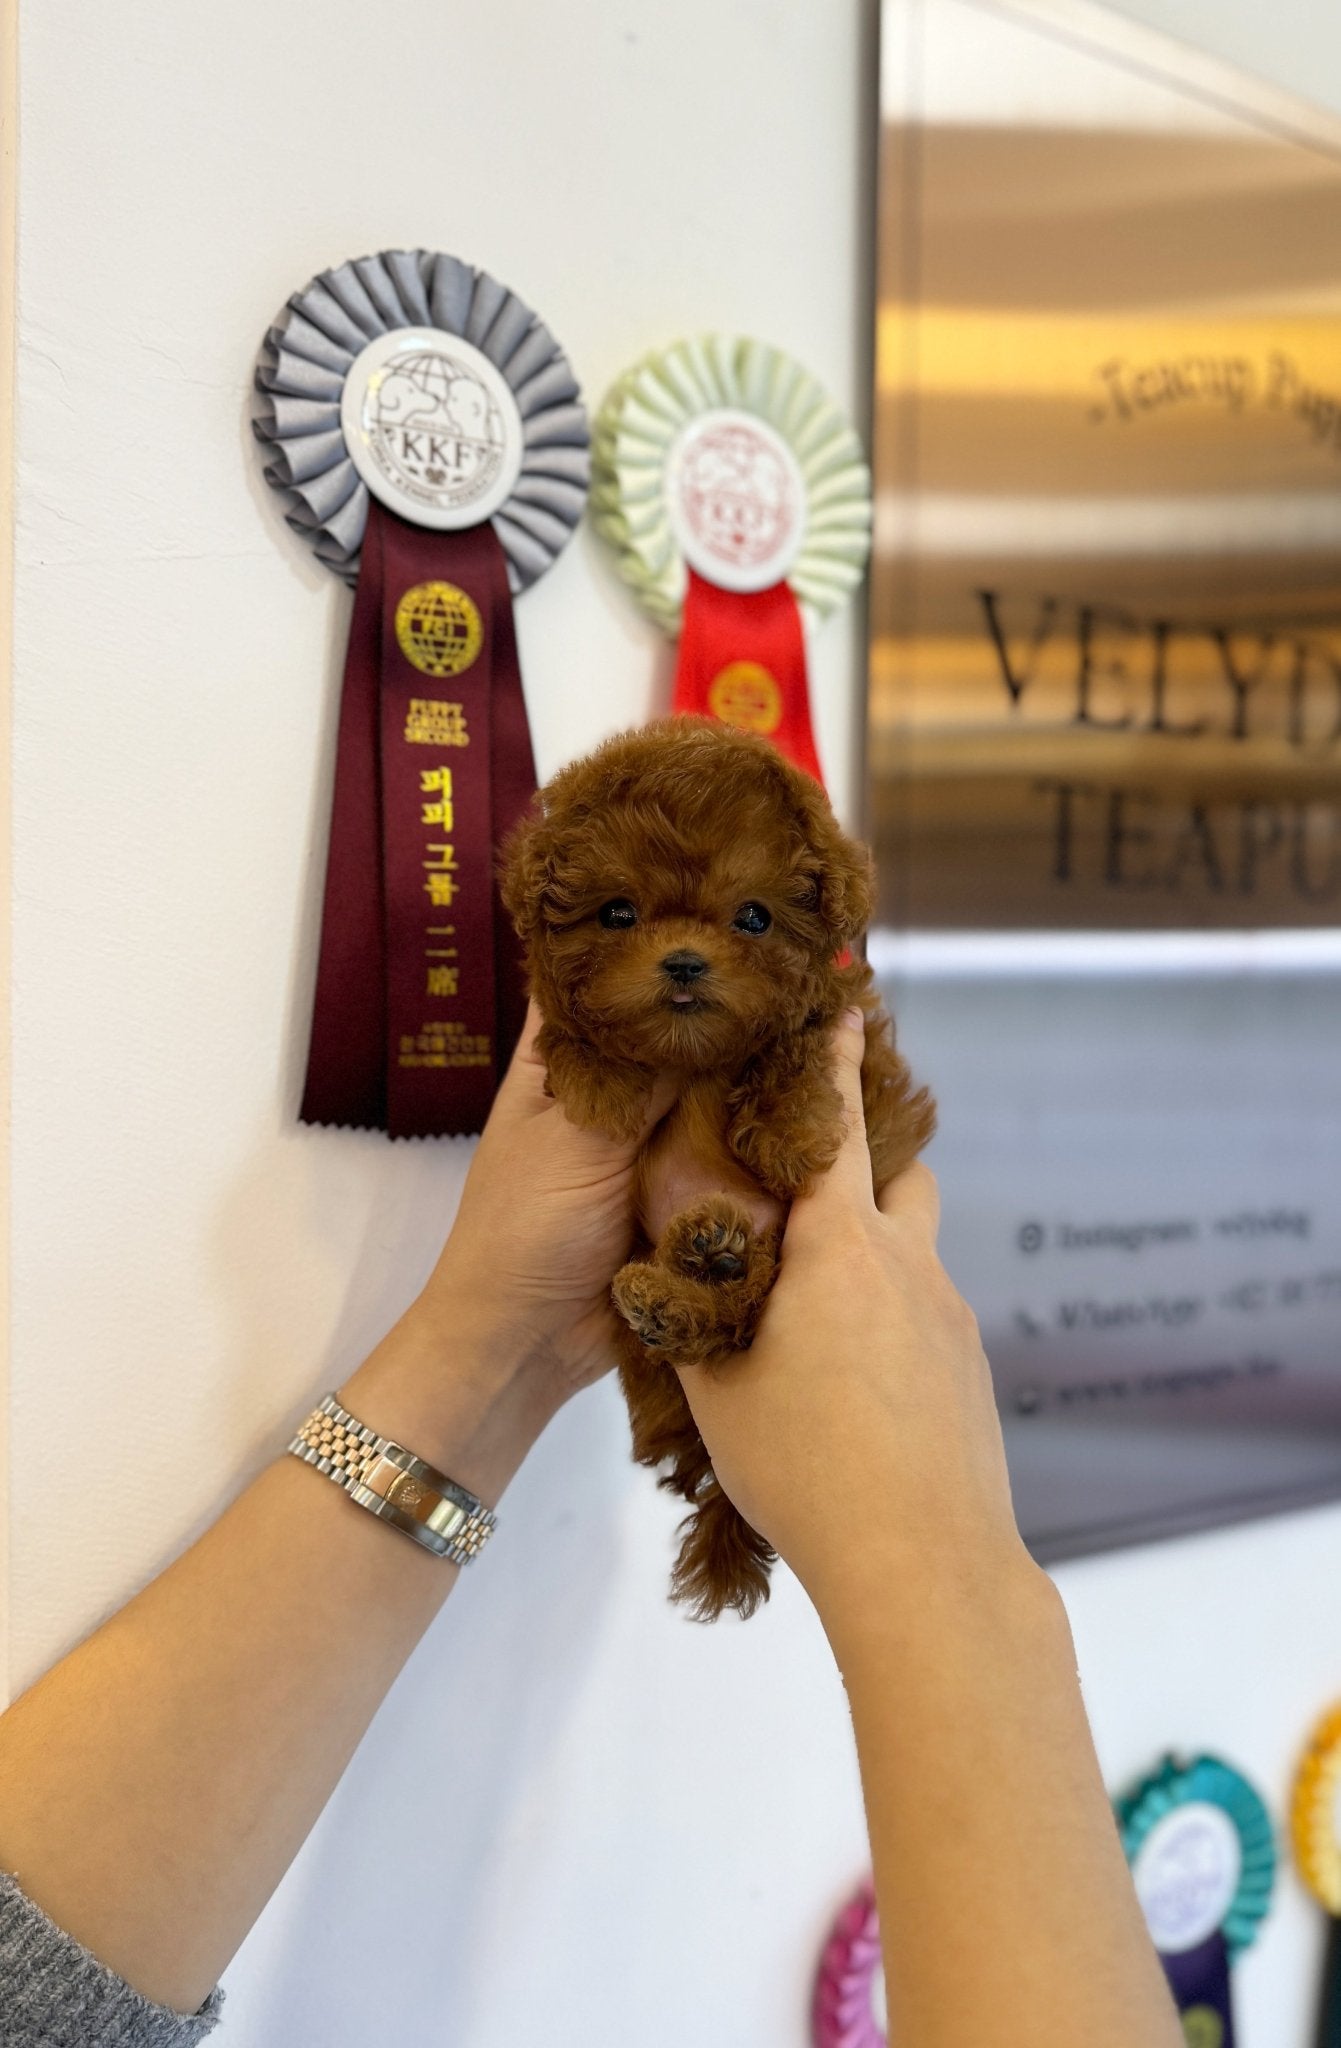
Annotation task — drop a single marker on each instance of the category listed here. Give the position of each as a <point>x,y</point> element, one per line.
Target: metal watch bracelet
<point>393,1484</point>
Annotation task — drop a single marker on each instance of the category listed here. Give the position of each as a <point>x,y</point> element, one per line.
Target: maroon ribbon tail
<point>420,993</point>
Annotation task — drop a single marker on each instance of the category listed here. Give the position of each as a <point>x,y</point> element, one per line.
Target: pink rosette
<point>845,2013</point>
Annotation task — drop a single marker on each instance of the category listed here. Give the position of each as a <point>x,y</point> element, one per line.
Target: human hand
<point>544,1223</point>
<point>859,1433</point>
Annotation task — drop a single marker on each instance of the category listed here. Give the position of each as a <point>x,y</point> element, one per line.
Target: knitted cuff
<point>54,1994</point>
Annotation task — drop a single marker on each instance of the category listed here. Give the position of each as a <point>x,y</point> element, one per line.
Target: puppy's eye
<point>751,918</point>
<point>618,915</point>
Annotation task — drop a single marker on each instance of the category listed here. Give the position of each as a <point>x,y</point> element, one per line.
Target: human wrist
<point>470,1399</point>
<point>898,1604</point>
<point>465,1314</point>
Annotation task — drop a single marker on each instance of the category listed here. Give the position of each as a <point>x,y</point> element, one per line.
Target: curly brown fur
<point>682,894</point>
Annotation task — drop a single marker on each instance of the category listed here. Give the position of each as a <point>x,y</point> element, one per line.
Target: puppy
<point>686,900</point>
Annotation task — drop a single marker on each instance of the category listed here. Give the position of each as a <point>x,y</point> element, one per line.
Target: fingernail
<point>854,1020</point>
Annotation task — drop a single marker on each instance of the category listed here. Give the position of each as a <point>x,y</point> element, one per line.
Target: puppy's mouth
<point>689,1002</point>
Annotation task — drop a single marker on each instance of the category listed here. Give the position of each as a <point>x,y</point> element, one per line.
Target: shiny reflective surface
<point>1106,661</point>
<point>1105,745</point>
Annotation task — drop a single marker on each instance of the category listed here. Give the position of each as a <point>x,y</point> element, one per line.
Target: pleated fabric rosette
<point>1202,1851</point>
<point>849,2008</point>
<point>737,499</point>
<point>428,437</point>
<point>1315,1828</point>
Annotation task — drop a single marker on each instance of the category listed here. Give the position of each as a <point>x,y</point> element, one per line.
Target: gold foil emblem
<point>405,1493</point>
<point>744,694</point>
<point>438,629</point>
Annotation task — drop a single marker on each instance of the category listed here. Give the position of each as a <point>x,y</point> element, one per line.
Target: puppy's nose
<point>684,967</point>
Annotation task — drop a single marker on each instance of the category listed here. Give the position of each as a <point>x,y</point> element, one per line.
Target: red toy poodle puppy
<point>685,897</point>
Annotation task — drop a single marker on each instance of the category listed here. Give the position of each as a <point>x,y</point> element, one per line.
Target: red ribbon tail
<point>742,658</point>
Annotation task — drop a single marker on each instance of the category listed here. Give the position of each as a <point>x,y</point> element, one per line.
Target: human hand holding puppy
<point>860,1428</point>
<point>860,1436</point>
<point>687,901</point>
<point>546,1217</point>
<point>866,1385</point>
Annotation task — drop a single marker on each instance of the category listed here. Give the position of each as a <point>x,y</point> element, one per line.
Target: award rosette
<point>736,497</point>
<point>1203,1857</point>
<point>850,2008</point>
<point>1315,1826</point>
<point>429,439</point>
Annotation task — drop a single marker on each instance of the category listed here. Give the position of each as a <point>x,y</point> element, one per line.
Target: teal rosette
<point>1208,1781</point>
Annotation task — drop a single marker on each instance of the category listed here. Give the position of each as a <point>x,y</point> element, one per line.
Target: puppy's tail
<point>723,1562</point>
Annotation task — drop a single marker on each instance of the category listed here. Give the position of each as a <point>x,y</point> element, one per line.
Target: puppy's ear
<point>525,870</point>
<point>846,888</point>
<point>841,871</point>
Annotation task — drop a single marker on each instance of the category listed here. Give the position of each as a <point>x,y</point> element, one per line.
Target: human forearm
<point>157,1782</point>
<point>1006,1910</point>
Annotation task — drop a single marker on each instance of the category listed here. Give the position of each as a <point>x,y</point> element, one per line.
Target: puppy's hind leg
<point>672,1317</point>
<point>700,1295</point>
<point>723,1562</point>
<point>660,1420</point>
<point>697,1296</point>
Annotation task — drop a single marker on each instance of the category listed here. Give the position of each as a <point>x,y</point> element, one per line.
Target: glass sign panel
<point>1105,743</point>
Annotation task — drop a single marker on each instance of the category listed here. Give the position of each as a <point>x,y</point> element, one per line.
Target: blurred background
<point>652,1825</point>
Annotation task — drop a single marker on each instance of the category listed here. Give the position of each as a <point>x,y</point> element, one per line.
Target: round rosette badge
<point>1315,1827</point>
<point>414,380</point>
<point>429,441</point>
<point>737,498</point>
<point>850,2007</point>
<point>1203,1857</point>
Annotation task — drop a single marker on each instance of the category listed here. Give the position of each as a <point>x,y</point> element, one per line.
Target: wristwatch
<point>393,1484</point>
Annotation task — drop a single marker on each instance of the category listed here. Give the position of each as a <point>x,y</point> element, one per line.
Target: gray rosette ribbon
<point>307,355</point>
<point>429,439</point>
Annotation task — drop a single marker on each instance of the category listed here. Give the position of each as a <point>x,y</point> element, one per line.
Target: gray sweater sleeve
<point>54,1994</point>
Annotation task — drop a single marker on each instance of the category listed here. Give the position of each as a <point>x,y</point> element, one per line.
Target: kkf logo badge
<point>432,427</point>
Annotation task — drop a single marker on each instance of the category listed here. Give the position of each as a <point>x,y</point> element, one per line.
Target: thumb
<point>521,1092</point>
<point>660,1097</point>
<point>850,1175</point>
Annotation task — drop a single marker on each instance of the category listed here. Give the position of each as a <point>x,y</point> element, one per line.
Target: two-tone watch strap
<point>393,1484</point>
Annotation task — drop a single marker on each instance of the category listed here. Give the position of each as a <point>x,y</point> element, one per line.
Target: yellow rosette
<point>1315,1830</point>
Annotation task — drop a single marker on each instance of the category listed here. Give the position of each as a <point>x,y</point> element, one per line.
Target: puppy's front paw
<point>710,1241</point>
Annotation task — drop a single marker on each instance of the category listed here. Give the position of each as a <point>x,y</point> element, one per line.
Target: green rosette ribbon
<point>650,408</point>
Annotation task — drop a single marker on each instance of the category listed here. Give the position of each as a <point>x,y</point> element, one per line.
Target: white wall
<point>643,1827</point>
<point>1297,45</point>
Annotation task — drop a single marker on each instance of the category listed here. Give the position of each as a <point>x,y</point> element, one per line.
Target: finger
<point>850,1174</point>
<point>521,1092</point>
<point>662,1094</point>
<point>913,1197</point>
